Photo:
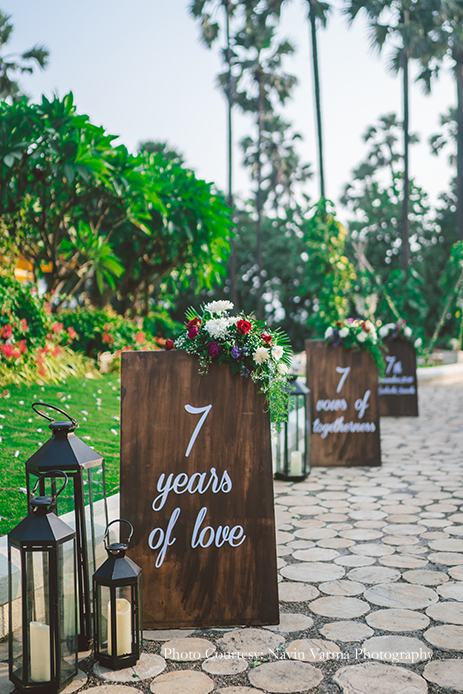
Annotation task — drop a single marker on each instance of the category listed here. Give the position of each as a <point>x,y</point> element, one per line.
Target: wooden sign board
<point>344,404</point>
<point>398,389</point>
<point>196,484</point>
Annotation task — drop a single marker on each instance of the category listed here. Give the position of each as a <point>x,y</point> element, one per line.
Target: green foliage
<point>98,218</point>
<point>330,276</point>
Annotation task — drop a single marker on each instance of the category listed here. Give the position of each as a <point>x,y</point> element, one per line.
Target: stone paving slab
<point>371,574</point>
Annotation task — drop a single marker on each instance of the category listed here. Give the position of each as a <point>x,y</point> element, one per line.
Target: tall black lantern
<point>291,450</point>
<point>87,500</point>
<point>117,607</point>
<point>42,599</point>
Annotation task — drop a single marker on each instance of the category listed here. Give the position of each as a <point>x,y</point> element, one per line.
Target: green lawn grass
<point>94,403</point>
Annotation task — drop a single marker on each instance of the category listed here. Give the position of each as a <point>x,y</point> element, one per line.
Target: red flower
<point>22,346</point>
<point>193,331</point>
<point>56,351</point>
<point>16,353</point>
<point>57,327</point>
<point>72,333</point>
<point>6,332</point>
<point>107,338</point>
<point>213,349</point>
<point>266,338</point>
<point>194,323</point>
<point>6,350</point>
<point>24,325</point>
<point>365,327</point>
<point>169,344</point>
<point>243,326</point>
<point>140,337</point>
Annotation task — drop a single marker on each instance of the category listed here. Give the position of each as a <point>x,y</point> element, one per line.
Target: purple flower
<point>244,373</point>
<point>193,331</point>
<point>213,349</point>
<point>235,352</point>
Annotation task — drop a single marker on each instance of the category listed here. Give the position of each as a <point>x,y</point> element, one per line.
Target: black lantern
<point>291,449</point>
<point>42,579</point>
<point>117,607</point>
<point>87,500</point>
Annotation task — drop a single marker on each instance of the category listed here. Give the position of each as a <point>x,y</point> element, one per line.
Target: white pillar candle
<point>39,646</point>
<point>123,627</point>
<point>295,468</point>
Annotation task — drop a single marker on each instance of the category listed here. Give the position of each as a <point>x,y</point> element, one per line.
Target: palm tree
<point>11,64</point>
<point>260,83</point>
<point>406,23</point>
<point>203,10</point>
<point>446,41</point>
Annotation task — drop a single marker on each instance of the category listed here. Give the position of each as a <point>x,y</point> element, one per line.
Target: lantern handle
<point>51,473</point>
<point>52,407</point>
<point>118,520</point>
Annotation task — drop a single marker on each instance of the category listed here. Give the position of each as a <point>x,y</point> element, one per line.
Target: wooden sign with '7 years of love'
<point>196,484</point>
<point>345,413</point>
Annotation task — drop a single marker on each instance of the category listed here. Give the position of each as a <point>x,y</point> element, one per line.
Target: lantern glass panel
<point>16,595</point>
<point>38,616</point>
<point>95,515</point>
<point>123,619</point>
<point>67,609</point>
<point>104,597</point>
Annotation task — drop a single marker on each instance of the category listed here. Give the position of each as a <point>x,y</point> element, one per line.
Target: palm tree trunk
<point>405,221</point>
<point>316,79</point>
<point>260,128</point>
<point>232,264</point>
<point>459,76</point>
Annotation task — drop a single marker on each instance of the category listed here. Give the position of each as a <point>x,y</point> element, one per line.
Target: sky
<point>140,70</point>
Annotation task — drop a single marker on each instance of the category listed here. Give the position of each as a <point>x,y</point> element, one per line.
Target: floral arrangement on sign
<point>399,331</point>
<point>357,334</point>
<point>246,345</point>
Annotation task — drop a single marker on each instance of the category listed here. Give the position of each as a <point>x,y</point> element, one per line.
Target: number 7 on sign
<point>345,372</point>
<point>196,410</point>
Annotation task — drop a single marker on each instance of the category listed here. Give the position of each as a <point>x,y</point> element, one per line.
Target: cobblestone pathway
<point>371,583</point>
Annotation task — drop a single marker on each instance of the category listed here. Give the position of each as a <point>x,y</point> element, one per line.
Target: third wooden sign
<point>398,388</point>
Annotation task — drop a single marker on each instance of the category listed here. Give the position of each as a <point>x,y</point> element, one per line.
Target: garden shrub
<point>33,344</point>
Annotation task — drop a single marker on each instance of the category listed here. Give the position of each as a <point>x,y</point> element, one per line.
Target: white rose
<point>391,326</point>
<point>261,354</point>
<point>282,368</point>
<point>418,342</point>
<point>344,332</point>
<point>384,331</point>
<point>218,306</point>
<point>361,337</point>
<point>328,332</point>
<point>277,352</point>
<point>407,331</point>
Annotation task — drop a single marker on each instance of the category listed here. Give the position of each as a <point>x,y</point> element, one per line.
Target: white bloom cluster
<point>328,332</point>
<point>344,332</point>
<point>217,327</point>
<point>384,329</point>
<point>219,306</point>
<point>277,352</point>
<point>418,342</point>
<point>261,355</point>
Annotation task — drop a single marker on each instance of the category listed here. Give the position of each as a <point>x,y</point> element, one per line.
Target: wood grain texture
<point>398,391</point>
<point>210,586</point>
<point>340,447</point>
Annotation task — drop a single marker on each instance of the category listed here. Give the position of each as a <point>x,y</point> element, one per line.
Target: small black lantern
<point>291,450</point>
<point>85,470</point>
<point>42,577</point>
<point>117,607</point>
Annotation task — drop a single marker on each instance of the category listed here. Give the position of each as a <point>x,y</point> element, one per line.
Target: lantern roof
<point>64,451</point>
<point>117,569</point>
<point>41,527</point>
<point>296,387</point>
